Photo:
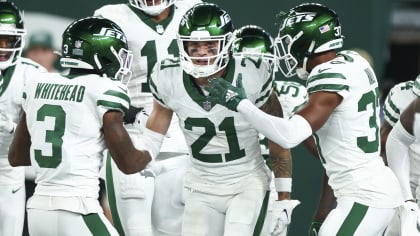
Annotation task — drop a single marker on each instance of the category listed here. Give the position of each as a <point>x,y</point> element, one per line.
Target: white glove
<point>410,218</point>
<point>141,120</point>
<point>282,216</point>
<point>152,169</point>
<point>6,124</point>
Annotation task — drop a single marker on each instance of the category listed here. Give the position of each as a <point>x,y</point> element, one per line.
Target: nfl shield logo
<point>207,105</point>
<point>78,44</point>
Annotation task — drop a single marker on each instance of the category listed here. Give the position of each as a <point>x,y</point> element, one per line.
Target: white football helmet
<point>151,7</point>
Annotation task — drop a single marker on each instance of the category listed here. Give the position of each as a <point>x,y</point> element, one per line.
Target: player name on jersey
<point>60,92</point>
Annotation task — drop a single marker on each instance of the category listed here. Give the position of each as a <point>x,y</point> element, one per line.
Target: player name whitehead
<point>60,92</point>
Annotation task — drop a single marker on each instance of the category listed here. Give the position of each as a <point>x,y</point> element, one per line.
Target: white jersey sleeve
<point>399,97</point>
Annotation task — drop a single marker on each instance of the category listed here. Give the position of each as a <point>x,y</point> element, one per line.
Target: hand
<point>6,124</point>
<point>136,118</point>
<point>314,228</point>
<point>225,94</point>
<point>152,169</point>
<point>410,216</point>
<point>130,115</point>
<point>282,216</point>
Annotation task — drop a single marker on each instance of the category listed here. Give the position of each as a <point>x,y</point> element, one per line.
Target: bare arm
<point>385,129</point>
<point>326,202</point>
<point>280,158</point>
<point>128,159</point>
<point>160,119</point>
<point>19,150</point>
<point>319,108</point>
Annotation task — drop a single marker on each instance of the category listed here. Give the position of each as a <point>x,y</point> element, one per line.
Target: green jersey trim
<point>7,77</point>
<point>328,87</point>
<point>325,76</point>
<point>117,94</point>
<point>202,100</point>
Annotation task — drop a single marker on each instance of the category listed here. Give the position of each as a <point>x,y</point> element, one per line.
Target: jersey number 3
<point>55,136</point>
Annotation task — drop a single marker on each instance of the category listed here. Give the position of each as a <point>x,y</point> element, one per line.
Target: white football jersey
<point>149,41</point>
<point>64,117</point>
<point>224,146</point>
<point>348,143</point>
<point>399,97</point>
<point>11,88</point>
<point>292,96</point>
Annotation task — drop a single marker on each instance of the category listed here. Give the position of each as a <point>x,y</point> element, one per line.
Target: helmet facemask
<point>12,33</point>
<point>205,24</point>
<point>109,67</point>
<point>255,43</point>
<point>203,66</point>
<point>151,7</point>
<point>12,51</point>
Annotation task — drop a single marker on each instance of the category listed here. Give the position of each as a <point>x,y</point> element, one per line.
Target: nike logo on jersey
<point>322,70</point>
<point>16,190</point>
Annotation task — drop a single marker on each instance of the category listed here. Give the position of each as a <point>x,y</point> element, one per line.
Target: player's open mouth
<point>4,56</point>
<point>201,62</point>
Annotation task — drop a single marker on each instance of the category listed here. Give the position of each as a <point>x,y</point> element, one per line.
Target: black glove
<point>130,115</point>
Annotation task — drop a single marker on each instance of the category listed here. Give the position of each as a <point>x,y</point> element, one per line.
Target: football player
<point>398,99</point>
<point>342,114</point>
<point>253,43</point>
<point>14,72</point>
<point>150,27</point>
<point>68,121</point>
<point>228,182</point>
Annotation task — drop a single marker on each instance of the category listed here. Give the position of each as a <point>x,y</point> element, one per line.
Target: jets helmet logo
<point>300,17</point>
<point>112,33</point>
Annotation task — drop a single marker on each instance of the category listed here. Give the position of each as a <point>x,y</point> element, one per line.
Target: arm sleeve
<point>398,159</point>
<point>288,133</point>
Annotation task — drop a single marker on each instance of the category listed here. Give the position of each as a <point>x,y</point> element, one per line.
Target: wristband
<point>283,184</point>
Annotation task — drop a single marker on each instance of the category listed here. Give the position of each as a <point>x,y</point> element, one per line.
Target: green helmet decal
<point>98,44</point>
<point>306,30</point>
<point>11,24</point>
<point>205,22</point>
